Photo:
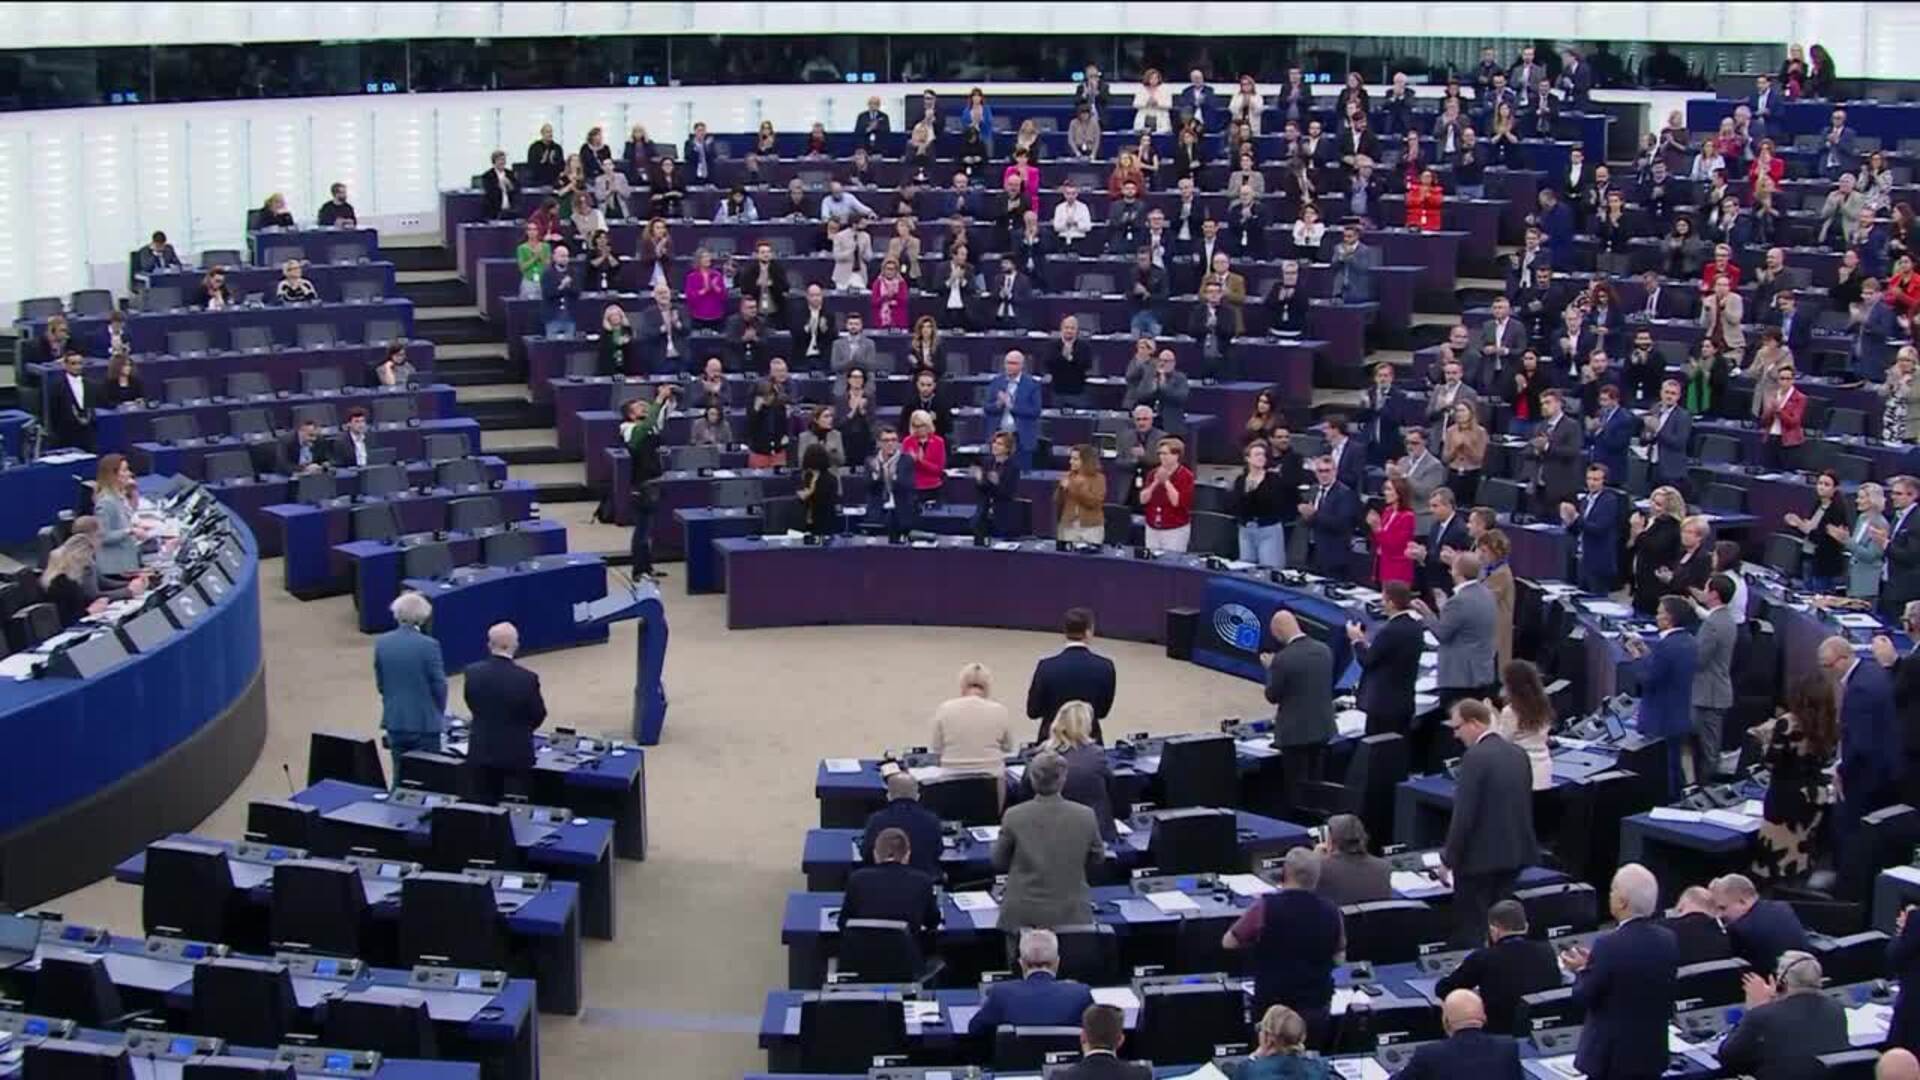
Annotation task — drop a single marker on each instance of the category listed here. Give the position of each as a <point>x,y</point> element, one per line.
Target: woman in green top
<point>1706,381</point>
<point>533,254</point>
<point>1282,1053</point>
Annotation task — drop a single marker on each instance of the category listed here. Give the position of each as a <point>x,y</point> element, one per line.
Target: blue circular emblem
<point>1237,626</point>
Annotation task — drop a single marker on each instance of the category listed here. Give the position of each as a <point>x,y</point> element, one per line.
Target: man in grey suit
<point>1425,472</point>
<point>854,349</point>
<point>1712,678</point>
<point>1558,451</point>
<point>1300,686</point>
<point>1353,267</point>
<point>1668,429</point>
<point>1453,390</point>
<point>1046,846</point>
<point>1464,628</point>
<point>1490,837</point>
<point>1502,339</point>
<point>1162,388</point>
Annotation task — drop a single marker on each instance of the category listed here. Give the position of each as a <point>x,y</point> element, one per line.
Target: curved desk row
<point>98,767</point>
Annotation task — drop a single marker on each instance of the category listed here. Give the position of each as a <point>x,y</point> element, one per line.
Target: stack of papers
<point>1209,1071</point>
<point>919,1012</point>
<point>1867,1024</point>
<point>1345,997</point>
<point>1351,724</point>
<point>1173,903</point>
<point>1408,881</point>
<point>1727,819</point>
<point>927,773</point>
<point>842,765</point>
<point>974,901</point>
<point>1359,1069</point>
<point>1430,860</point>
<point>1245,885</point>
<point>985,834</point>
<point>1676,814</point>
<point>1854,620</point>
<point>1120,997</point>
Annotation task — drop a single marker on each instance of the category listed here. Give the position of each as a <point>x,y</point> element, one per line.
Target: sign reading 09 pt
<point>1237,626</point>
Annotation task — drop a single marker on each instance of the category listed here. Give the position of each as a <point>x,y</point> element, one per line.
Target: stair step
<point>528,455</point>
<point>428,296</point>
<point>478,371</point>
<point>509,415</point>
<point>470,350</point>
<point>409,257</point>
<point>454,329</point>
<point>568,492</point>
<point>500,391</point>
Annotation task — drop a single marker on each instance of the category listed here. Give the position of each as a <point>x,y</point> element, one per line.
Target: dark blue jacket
<point>1470,1053</point>
<point>505,703</point>
<point>921,825</point>
<point>1611,441</point>
<point>1768,929</point>
<point>1293,959</point>
<point>1872,756</point>
<point>1666,687</point>
<point>1627,992</point>
<point>906,507</point>
<point>1075,673</point>
<point>1556,225</point>
<point>1597,532</point>
<point>996,512</point>
<point>1903,964</point>
<point>893,891</point>
<point>1333,527</point>
<point>1039,1000</point>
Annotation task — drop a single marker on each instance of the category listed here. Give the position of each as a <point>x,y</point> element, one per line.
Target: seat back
<point>1851,468</point>
<point>185,342</point>
<point>740,491</point>
<point>316,487</point>
<point>228,465</point>
<point>188,890</point>
<point>175,429</point>
<point>459,473</point>
<point>1199,770</point>
<point>968,798</point>
<point>318,904</point>
<point>1195,840</point>
<point>1391,931</point>
<point>1197,948</point>
<point>692,458</point>
<point>248,423</point>
<point>442,446</point>
<point>1504,496</point>
<point>390,331</point>
<point>359,292</point>
<point>1844,421</point>
<point>1723,499</point>
<point>879,951</point>
<point>1214,534</point>
<point>32,625</point>
<point>842,1031</point>
<point>450,917</point>
<point>221,1067</point>
<point>250,338</point>
<point>372,1021</point>
<point>354,759</point>
<point>508,547</point>
<point>465,833</point>
<point>476,512</point>
<point>1851,958</point>
<point>782,515</point>
<point>1849,1064</point>
<point>1782,552</point>
<point>1182,1023</point>
<point>1089,953</point>
<point>431,771</point>
<point>185,388</point>
<point>1017,1048</point>
<point>61,1060</point>
<point>1567,908</point>
<point>346,251</point>
<point>250,1002</point>
<point>322,413</point>
<point>1710,982</point>
<point>393,409</point>
<point>78,988</point>
<point>315,335</point>
<point>432,560</point>
<point>1119,525</point>
<point>93,302</point>
<point>1718,450</point>
<point>41,307</point>
<point>282,821</point>
<point>242,385</point>
<point>212,257</point>
<point>378,480</point>
<point>315,380</point>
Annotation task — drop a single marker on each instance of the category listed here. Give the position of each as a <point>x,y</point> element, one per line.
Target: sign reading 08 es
<point>1237,627</point>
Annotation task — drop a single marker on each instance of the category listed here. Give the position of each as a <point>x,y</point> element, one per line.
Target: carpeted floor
<point>731,796</point>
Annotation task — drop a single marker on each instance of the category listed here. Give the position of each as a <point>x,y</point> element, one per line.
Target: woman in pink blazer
<point>706,292</point>
<point>1393,528</point>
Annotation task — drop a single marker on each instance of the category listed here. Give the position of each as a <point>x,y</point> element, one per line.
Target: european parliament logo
<point>1237,626</point>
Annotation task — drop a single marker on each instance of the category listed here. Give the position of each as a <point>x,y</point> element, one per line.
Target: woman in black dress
<point>1800,747</point>
<point>1653,543</point>
<point>819,492</point>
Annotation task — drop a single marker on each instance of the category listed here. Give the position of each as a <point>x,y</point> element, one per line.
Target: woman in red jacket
<point>1765,162</point>
<point>1392,528</point>
<point>1167,499</point>
<point>1423,203</point>
<point>1903,287</point>
<point>929,453</point>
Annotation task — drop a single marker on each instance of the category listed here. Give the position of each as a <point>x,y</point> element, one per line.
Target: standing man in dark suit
<point>1300,687</point>
<point>1905,671</point>
<point>1040,998</point>
<point>1666,682</point>
<point>1903,964</point>
<point>1612,430</point>
<point>891,503</point>
<point>892,890</point>
<point>904,812</point>
<point>1390,662</point>
<point>1349,459</point>
<point>1075,673</point>
<point>1558,450</point>
<point>1625,983</point>
<point>70,403</point>
<point>1102,1030</point>
<point>1668,432</point>
<point>1787,1025</point>
<point>504,700</point>
<point>1900,573</point>
<point>1446,537</point>
<point>1332,513</point>
<point>1872,749</point>
<point>412,679</point>
<point>1595,526</point>
<point>1490,837</point>
<point>1508,968</point>
<point>1761,931</point>
<point>1469,1049</point>
<point>1714,640</point>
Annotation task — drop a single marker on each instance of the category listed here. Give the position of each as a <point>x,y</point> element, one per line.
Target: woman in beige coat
<point>1494,549</point>
<point>973,732</point>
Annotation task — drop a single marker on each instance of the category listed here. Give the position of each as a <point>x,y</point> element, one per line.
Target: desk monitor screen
<point>1615,729</point>
<point>467,980</point>
<point>183,1047</point>
<point>148,630</point>
<point>18,936</point>
<point>338,1061</point>
<point>326,966</point>
<point>94,655</point>
<point>185,607</point>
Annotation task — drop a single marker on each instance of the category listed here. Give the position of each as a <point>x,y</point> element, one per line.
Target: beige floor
<point>678,993</point>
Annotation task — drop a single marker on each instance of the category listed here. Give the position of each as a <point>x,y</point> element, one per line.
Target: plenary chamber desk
<point>149,744</point>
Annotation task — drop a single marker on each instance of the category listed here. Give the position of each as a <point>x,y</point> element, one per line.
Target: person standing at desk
<point>507,708</point>
<point>1526,718</point>
<point>971,732</point>
<point>1625,982</point>
<point>904,813</point>
<point>115,498</point>
<point>1088,774</point>
<point>1040,998</point>
<point>1294,936</point>
<point>411,678</point>
<point>1046,847</point>
<point>1075,673</point>
<point>891,503</point>
<point>1390,662</point>
<point>1013,405</point>
<point>1714,640</point>
<point>1872,748</point>
<point>1509,967</point>
<point>70,404</point>
<point>1464,629</point>
<point>1903,964</point>
<point>1666,682</point>
<point>1300,687</point>
<point>1468,1050</point>
<point>1490,836</point>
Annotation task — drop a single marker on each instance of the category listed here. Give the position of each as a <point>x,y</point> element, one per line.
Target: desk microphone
<point>289,774</point>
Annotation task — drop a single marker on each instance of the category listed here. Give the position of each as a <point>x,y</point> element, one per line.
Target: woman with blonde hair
<point>1653,545</point>
<point>1865,555</point>
<point>1081,498</point>
<point>114,499</point>
<point>1463,447</point>
<point>1282,1053</point>
<point>972,732</point>
<point>1493,547</point>
<point>1071,736</point>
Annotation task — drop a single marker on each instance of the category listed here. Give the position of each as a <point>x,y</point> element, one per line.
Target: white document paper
<point>1753,808</point>
<point>1867,1024</point>
<point>1612,609</point>
<point>985,834</point>
<point>1344,998</point>
<point>1120,997</point>
<point>927,773</point>
<point>1406,881</point>
<point>1674,813</point>
<point>1359,1069</point>
<point>1727,819</point>
<point>1209,1071</point>
<point>1351,724</point>
<point>1430,860</point>
<point>1245,885</point>
<point>1908,874</point>
<point>843,765</point>
<point>1173,902</point>
<point>974,901</point>
<point>1854,620</point>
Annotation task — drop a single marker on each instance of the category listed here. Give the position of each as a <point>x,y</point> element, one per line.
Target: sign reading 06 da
<point>1237,627</point>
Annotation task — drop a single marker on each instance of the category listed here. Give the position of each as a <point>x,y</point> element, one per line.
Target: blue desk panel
<point>538,599</point>
<point>376,566</point>
<point>35,492</point>
<point>309,534</point>
<point>118,429</point>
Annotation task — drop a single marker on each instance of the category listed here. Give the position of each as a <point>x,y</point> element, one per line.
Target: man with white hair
<point>411,678</point>
<point>1040,998</point>
<point>1625,983</point>
<point>507,707</point>
<point>1787,1025</point>
<point>1293,937</point>
<point>1761,931</point>
<point>1872,748</point>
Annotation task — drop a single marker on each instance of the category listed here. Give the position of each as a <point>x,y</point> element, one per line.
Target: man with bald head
<point>904,812</point>
<point>1468,1050</point>
<point>1625,983</point>
<point>1897,1064</point>
<point>1013,406</point>
<point>1300,686</point>
<point>504,700</point>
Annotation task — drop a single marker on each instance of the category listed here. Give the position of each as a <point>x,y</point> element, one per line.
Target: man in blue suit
<point>1468,1050</point>
<point>1075,673</point>
<point>1669,430</point>
<point>1666,682</point>
<point>891,502</point>
<point>904,812</point>
<point>1556,226</point>
<point>1611,429</point>
<point>1349,458</point>
<point>507,708</point>
<point>1013,404</point>
<point>1332,514</point>
<point>1040,998</point>
<point>412,679</point>
<point>1625,983</point>
<point>1872,747</point>
<point>1595,527</point>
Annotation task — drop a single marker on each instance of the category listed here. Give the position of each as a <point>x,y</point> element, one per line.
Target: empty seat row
<point>259,338</point>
